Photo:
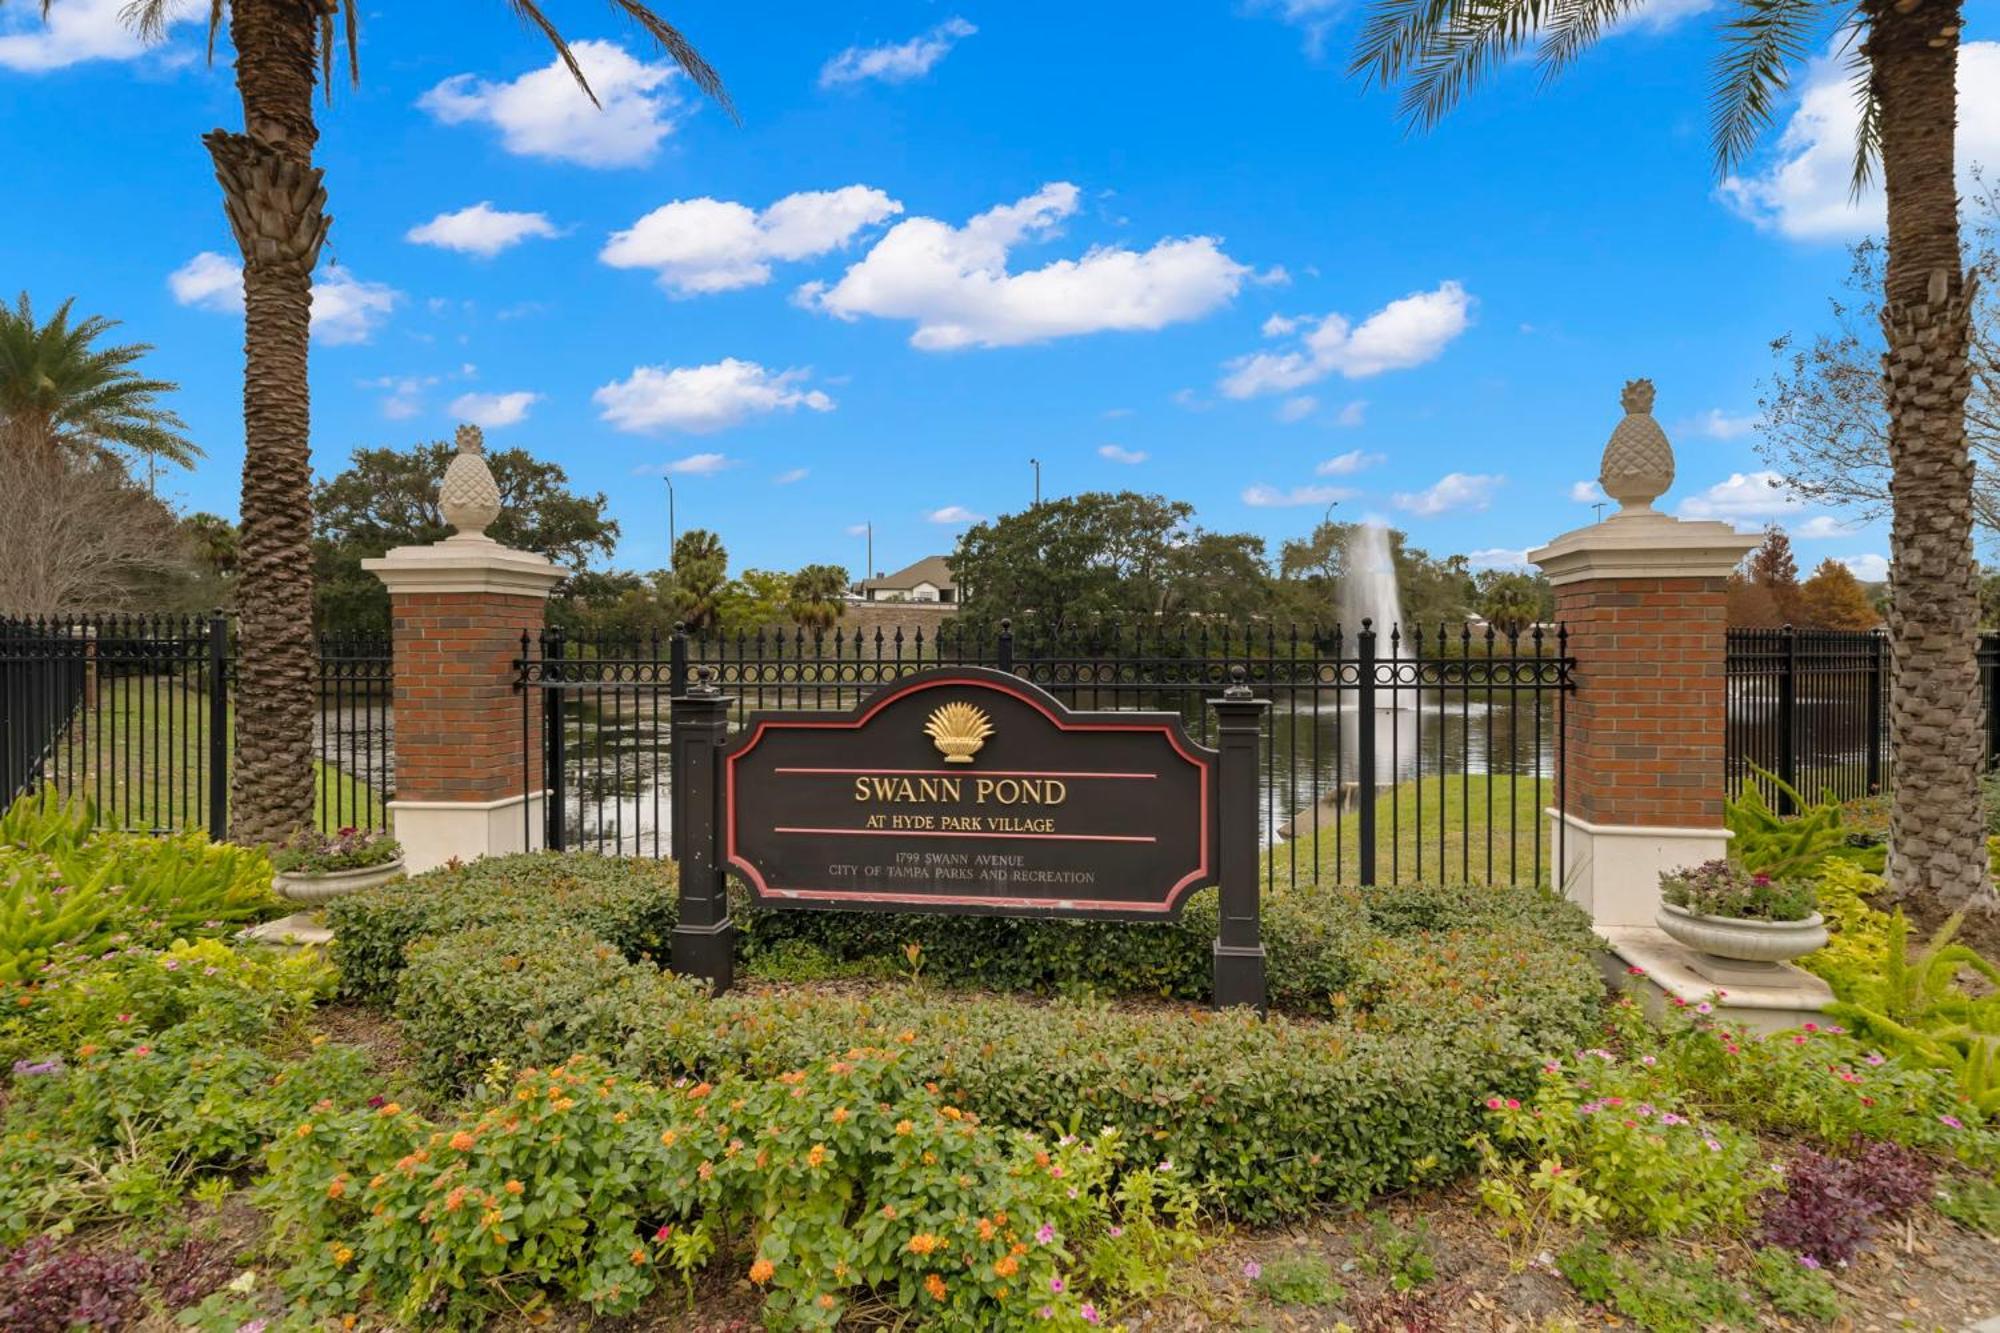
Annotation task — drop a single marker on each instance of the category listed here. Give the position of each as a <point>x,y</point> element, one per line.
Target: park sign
<point>970,790</point>
<point>967,790</point>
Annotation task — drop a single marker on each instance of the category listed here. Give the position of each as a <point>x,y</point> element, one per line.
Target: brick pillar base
<point>1642,769</point>
<point>466,785</point>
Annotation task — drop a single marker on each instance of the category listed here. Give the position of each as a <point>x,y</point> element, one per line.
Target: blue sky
<point>1190,257</point>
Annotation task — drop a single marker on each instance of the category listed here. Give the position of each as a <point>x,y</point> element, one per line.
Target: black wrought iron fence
<point>1811,707</point>
<point>135,713</point>
<point>1399,755</point>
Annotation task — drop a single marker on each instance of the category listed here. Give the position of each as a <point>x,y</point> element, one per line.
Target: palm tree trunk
<point>1937,833</point>
<point>276,206</point>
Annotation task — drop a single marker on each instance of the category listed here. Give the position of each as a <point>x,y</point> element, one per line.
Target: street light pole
<point>1037,464</point>
<point>673,538</point>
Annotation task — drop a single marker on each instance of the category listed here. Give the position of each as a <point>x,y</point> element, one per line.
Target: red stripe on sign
<point>964,773</point>
<point>967,833</point>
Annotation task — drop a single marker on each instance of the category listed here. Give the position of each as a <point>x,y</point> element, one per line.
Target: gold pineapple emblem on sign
<point>958,730</point>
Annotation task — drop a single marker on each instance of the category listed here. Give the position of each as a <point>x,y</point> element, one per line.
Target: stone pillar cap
<point>467,563</point>
<point>1644,544</point>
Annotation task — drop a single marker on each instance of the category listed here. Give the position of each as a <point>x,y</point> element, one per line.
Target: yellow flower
<point>303,1130</point>
<point>816,1156</point>
<point>1007,1265</point>
<point>762,1271</point>
<point>904,1127</point>
<point>341,1256</point>
<point>935,1286</point>
<point>462,1142</point>
<point>667,1137</point>
<point>924,1243</point>
<point>389,1109</point>
<point>514,1187</point>
<point>638,1255</point>
<point>840,1115</point>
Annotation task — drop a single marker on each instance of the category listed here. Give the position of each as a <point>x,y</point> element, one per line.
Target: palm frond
<point>681,50</point>
<point>1392,35</point>
<point>1761,44</point>
<point>1477,36</point>
<point>531,14</point>
<point>1868,129</point>
<point>1574,26</point>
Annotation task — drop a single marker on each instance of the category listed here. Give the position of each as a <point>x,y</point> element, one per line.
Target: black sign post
<point>704,939</point>
<point>971,791</point>
<point>1239,946</point>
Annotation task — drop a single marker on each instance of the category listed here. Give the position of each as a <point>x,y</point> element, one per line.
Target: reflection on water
<point>617,765</point>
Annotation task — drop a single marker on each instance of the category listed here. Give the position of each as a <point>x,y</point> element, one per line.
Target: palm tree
<point>1904,57</point>
<point>817,596</point>
<point>61,393</point>
<point>701,576</point>
<point>276,204</point>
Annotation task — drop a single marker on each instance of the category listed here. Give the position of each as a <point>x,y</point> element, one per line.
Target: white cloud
<point>71,32</point>
<point>345,309</point>
<point>481,230</point>
<point>1349,463</point>
<point>1587,493</point>
<point>709,245</point>
<point>953,281</point>
<point>1297,409</point>
<point>1803,192</point>
<point>494,409</point>
<point>1744,496</point>
<point>1499,557</point>
<point>791,475</point>
<point>1407,332</point>
<point>544,114</point>
<point>209,282</point>
<point>897,63</point>
<point>856,529</point>
<point>954,515</point>
<point>1822,526</point>
<point>704,399</point>
<point>1868,568</point>
<point>1353,414</point>
<point>1454,490</point>
<point>1261,496</point>
<point>1717,424</point>
<point>404,396</point>
<point>1119,454</point>
<point>698,465</point>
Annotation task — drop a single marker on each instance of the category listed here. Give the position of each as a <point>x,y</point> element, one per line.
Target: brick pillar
<point>463,773</point>
<point>468,783</point>
<point>1642,766</point>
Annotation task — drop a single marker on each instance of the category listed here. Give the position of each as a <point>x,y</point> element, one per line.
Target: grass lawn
<point>1453,829</point>
<point>142,755</point>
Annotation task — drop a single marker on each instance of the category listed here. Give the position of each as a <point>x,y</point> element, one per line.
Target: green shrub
<point>1276,1114</point>
<point>243,995</point>
<point>1322,943</point>
<point>67,887</point>
<point>1663,1291</point>
<point>1795,1286</point>
<point>846,1178</point>
<point>627,903</point>
<point>121,1128</point>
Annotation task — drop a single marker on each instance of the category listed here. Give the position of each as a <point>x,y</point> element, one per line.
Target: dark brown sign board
<point>969,790</point>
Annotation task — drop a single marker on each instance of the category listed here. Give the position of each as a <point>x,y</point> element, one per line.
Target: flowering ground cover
<point>491,1108</point>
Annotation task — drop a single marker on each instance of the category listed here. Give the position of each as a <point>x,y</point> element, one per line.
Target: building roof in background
<point>932,569</point>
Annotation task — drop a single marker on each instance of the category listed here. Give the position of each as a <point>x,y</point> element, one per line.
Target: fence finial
<point>469,498</point>
<point>1638,463</point>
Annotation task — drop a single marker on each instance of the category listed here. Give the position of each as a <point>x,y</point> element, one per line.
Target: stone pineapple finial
<point>469,498</point>
<point>1638,463</point>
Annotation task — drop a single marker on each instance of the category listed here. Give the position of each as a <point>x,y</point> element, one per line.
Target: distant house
<point>929,580</point>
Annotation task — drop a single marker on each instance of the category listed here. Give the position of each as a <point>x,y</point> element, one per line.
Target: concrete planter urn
<point>1746,952</point>
<point>323,886</point>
